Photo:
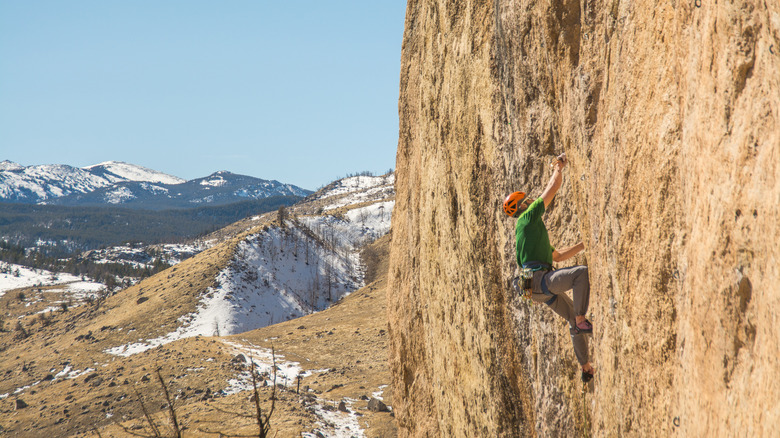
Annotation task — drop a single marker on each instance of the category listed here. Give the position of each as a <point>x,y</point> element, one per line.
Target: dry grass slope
<point>348,340</point>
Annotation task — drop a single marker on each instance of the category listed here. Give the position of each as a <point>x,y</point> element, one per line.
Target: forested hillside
<point>60,230</point>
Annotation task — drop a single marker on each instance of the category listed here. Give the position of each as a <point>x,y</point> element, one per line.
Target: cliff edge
<point>670,116</point>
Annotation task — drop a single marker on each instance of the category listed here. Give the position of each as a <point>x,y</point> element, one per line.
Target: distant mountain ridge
<point>116,183</point>
<point>130,172</point>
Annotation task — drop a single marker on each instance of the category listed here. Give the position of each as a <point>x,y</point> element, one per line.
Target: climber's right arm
<point>555,181</point>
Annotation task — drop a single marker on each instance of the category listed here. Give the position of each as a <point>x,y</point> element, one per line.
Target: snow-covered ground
<point>356,184</point>
<point>287,372</point>
<point>146,256</point>
<point>359,227</point>
<point>16,276</point>
<point>335,423</point>
<point>119,195</point>
<point>358,189</point>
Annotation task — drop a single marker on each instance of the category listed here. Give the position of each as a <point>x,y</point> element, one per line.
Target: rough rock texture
<point>670,114</point>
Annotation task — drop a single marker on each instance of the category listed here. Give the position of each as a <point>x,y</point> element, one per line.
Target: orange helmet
<point>512,201</point>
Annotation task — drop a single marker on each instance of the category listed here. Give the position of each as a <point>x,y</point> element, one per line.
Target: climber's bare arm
<point>555,180</point>
<point>567,253</point>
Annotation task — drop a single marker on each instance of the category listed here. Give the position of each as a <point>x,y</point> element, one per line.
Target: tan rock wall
<point>449,306</point>
<point>670,114</point>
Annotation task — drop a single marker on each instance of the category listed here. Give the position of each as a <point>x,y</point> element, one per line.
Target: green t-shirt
<point>532,241</point>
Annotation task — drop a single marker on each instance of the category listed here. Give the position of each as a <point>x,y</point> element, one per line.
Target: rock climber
<point>548,285</point>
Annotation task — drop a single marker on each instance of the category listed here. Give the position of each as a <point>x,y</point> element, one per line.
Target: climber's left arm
<point>567,253</point>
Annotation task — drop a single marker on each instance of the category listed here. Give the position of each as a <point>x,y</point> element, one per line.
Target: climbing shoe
<point>586,376</point>
<point>585,327</point>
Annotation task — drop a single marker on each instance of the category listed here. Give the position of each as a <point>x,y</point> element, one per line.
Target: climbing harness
<point>523,285</point>
<point>525,281</point>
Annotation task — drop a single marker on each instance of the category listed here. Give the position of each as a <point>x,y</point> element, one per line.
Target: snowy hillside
<point>357,189</point>
<point>286,271</point>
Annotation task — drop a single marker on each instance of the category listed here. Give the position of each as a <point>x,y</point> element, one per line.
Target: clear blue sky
<point>297,91</point>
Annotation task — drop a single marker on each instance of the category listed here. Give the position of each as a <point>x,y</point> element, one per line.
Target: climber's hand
<point>560,162</point>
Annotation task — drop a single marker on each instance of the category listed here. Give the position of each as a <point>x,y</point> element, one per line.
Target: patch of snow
<point>335,423</point>
<point>214,181</point>
<point>48,310</point>
<point>17,276</point>
<point>378,395</point>
<point>207,200</point>
<point>40,242</point>
<point>154,188</point>
<point>119,195</point>
<point>69,373</point>
<point>286,372</point>
<point>358,183</point>
<point>361,197</point>
<point>66,373</point>
<point>146,257</point>
<point>85,287</point>
<point>18,390</point>
<point>361,225</point>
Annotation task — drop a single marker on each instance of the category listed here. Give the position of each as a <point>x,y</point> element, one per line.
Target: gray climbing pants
<point>557,283</point>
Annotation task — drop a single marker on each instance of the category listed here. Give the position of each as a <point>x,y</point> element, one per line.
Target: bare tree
<point>281,215</point>
<point>155,430</point>
<point>329,279</point>
<point>260,418</point>
<point>171,410</point>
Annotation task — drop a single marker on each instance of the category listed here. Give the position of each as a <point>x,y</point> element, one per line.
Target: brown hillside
<point>61,382</point>
<point>670,115</point>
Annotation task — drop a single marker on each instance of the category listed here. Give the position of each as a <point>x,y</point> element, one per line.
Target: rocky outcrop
<point>670,115</point>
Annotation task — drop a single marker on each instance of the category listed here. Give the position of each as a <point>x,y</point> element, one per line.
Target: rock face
<point>670,115</point>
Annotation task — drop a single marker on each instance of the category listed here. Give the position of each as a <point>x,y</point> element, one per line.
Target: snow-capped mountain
<point>127,185</point>
<point>118,171</point>
<point>39,183</point>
